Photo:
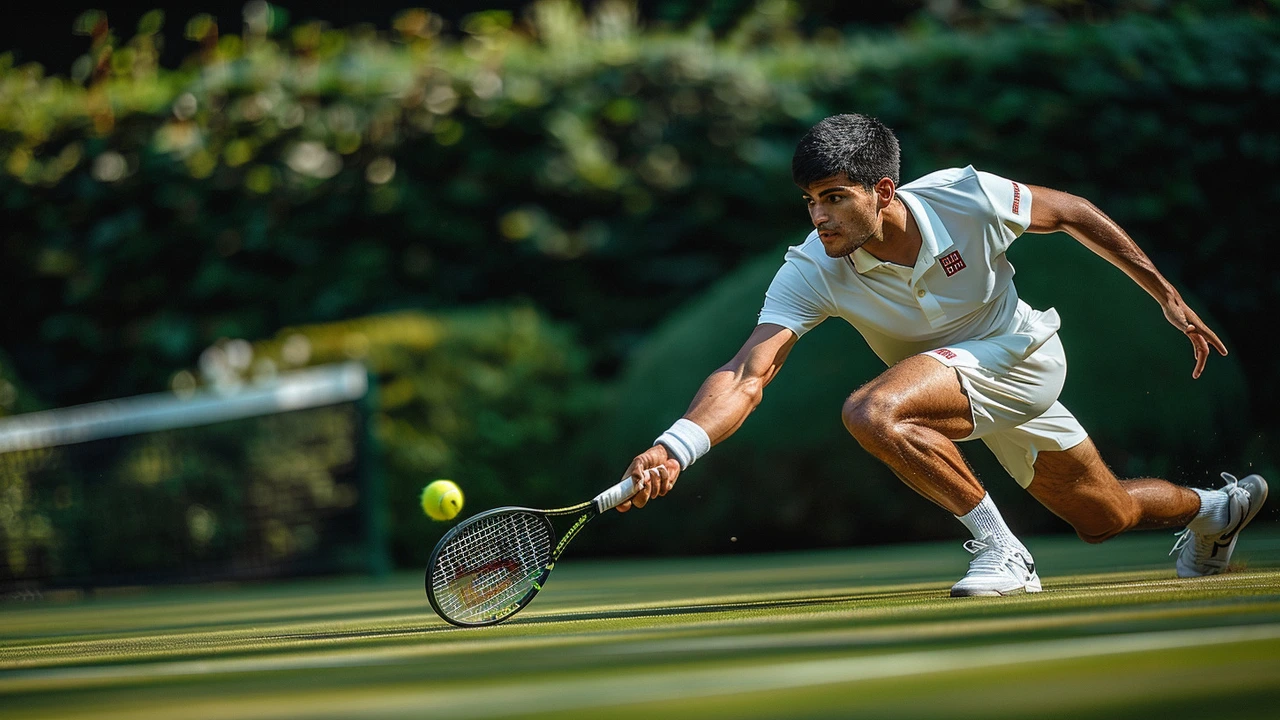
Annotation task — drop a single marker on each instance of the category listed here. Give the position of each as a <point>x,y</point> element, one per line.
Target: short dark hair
<point>858,146</point>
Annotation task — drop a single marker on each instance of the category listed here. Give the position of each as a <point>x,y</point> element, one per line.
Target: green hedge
<point>15,398</point>
<point>605,172</point>
<point>489,397</point>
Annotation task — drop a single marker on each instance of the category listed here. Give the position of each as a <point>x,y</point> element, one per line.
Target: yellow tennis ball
<point>442,500</point>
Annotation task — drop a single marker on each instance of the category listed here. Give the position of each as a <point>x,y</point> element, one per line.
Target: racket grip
<point>618,494</point>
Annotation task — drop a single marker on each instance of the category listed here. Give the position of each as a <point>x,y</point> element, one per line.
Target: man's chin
<point>839,251</point>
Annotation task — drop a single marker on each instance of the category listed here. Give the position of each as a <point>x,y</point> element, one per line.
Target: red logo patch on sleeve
<point>944,353</point>
<point>952,263</point>
<point>1017,197</point>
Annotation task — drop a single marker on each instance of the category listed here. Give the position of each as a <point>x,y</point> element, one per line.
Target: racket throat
<point>541,576</point>
<point>568,535</point>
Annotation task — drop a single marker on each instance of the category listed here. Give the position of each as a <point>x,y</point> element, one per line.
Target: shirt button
<point>920,292</point>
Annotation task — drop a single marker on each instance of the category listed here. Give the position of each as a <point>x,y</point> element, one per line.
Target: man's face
<point>846,215</point>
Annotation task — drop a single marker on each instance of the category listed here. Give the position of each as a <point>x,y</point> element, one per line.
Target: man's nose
<point>817,215</point>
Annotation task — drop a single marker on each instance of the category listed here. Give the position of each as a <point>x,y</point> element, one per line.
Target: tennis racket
<point>489,567</point>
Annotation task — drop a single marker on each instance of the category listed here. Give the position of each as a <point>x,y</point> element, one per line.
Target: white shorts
<point>1015,411</point>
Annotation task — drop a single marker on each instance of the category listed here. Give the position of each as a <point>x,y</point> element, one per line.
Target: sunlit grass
<point>858,633</point>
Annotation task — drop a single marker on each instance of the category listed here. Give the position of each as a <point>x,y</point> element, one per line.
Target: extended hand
<point>1186,320</point>
<point>652,484</point>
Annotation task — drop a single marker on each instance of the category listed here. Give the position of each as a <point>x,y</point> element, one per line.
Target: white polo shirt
<point>961,287</point>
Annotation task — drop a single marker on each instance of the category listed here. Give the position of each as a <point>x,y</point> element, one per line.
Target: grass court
<point>858,633</point>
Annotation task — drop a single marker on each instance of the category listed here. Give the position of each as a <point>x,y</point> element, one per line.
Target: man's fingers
<point>1202,338</point>
<point>1197,326</point>
<point>1214,341</point>
<point>644,490</point>
<point>632,472</point>
<point>651,481</point>
<point>659,480</point>
<point>1202,354</point>
<point>640,499</point>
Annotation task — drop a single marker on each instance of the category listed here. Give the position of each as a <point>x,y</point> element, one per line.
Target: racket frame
<point>606,500</point>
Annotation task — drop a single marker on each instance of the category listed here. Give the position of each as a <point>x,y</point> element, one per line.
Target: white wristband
<point>685,441</point>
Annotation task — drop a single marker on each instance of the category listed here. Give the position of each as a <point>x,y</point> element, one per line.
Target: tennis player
<point>920,271</point>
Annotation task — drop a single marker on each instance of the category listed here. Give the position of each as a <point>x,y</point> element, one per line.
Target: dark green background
<point>624,191</point>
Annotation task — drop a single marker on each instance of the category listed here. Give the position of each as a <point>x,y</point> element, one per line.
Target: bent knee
<point>1095,539</point>
<point>1102,525</point>
<point>869,417</point>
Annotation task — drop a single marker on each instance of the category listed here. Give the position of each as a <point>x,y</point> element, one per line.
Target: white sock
<point>1215,512</point>
<point>984,521</point>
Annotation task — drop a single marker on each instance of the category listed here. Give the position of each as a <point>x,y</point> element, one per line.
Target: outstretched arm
<point>1054,211</point>
<point>720,406</point>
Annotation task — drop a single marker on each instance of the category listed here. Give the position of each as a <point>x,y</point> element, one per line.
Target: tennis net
<point>272,480</point>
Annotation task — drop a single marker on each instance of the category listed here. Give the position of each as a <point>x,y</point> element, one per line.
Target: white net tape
<point>488,567</point>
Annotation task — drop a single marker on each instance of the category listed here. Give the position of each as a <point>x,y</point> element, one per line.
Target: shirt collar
<point>864,262</point>
<point>935,240</point>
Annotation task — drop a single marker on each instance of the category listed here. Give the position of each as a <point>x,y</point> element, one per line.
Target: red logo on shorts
<point>952,264</point>
<point>944,353</point>
<point>1017,197</point>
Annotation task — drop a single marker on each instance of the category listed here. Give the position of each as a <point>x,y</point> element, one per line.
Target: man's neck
<point>902,240</point>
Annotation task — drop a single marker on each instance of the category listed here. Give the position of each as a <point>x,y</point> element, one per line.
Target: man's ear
<point>884,190</point>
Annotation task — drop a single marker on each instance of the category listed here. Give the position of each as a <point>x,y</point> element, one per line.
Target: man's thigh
<point>922,391</point>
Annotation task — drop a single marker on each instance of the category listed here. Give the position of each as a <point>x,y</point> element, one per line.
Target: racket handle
<point>618,494</point>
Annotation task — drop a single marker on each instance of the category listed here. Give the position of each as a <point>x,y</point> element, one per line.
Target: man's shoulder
<point>810,254</point>
<point>956,190</point>
<point>949,178</point>
<point>959,198</point>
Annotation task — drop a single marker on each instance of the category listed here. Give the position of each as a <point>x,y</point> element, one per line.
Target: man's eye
<point>833,199</point>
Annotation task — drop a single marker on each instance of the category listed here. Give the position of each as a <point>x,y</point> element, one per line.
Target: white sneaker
<point>997,568</point>
<point>1209,554</point>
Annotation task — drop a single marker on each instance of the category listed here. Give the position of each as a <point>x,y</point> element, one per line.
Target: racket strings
<point>490,566</point>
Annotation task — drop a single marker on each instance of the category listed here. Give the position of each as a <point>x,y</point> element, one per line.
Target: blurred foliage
<point>602,172</point>
<point>489,397</point>
<point>297,174</point>
<point>972,14</point>
<point>1129,383</point>
<point>14,397</point>
<point>927,15</point>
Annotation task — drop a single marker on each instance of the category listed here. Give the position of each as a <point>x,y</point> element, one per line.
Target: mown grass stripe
<point>116,664</point>
<point>676,682</point>
<point>880,606</point>
<point>683,684</point>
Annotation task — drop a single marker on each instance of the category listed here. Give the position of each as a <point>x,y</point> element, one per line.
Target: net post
<point>373,474</point>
